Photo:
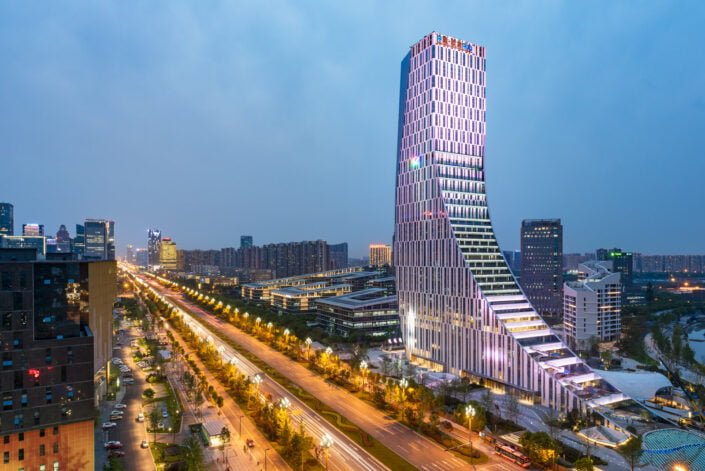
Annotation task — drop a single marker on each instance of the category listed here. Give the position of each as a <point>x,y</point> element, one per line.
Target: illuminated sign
<point>454,43</point>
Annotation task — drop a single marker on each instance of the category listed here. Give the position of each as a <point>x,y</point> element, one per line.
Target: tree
<point>584,464</point>
<point>632,451</point>
<point>224,439</point>
<point>154,421</point>
<point>540,447</point>
<point>148,393</point>
<point>488,404</point>
<point>386,365</point>
<point>513,407</point>
<point>194,454</point>
<point>359,354</point>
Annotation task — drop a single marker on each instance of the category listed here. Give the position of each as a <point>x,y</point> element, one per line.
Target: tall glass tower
<point>461,309</point>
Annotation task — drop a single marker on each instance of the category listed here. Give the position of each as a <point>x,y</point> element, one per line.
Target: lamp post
<point>326,443</point>
<point>241,417</point>
<point>265,458</point>
<point>308,343</point>
<point>364,369</point>
<point>470,413</point>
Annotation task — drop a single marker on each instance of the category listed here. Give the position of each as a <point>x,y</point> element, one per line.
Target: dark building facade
<point>79,242</point>
<point>7,219</point>
<point>56,330</point>
<point>622,262</point>
<point>154,244</point>
<point>542,265</point>
<point>246,241</point>
<point>338,256</point>
<point>100,239</point>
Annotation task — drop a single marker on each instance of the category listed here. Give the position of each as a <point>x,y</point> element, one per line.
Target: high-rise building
<point>79,242</point>
<point>100,239</point>
<point>542,265</point>
<point>141,257</point>
<point>592,305</point>
<point>461,310</point>
<point>513,258</point>
<point>337,256</point>
<point>622,262</point>
<point>57,341</point>
<point>380,255</point>
<point>7,219</point>
<point>154,242</point>
<point>245,241</point>
<point>33,230</point>
<point>130,254</point>
<point>63,240</point>
<point>167,254</point>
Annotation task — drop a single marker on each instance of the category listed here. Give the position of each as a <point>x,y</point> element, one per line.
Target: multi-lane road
<point>343,455</point>
<point>416,449</point>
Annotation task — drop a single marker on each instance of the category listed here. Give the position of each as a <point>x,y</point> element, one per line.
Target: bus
<point>510,454</point>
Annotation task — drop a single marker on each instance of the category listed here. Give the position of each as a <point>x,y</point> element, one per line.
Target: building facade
<point>100,239</point>
<point>380,255</point>
<point>460,308</point>
<point>622,262</point>
<point>592,306</point>
<point>7,219</point>
<point>56,329</point>
<point>154,242</point>
<point>167,254</point>
<point>369,313</point>
<point>542,265</point>
<point>246,241</point>
<point>33,230</point>
<point>337,256</point>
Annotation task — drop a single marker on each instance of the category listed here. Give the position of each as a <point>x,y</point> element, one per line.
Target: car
<point>165,414</point>
<point>112,445</point>
<point>140,417</point>
<point>116,453</point>
<point>160,424</point>
<point>144,444</point>
<point>120,405</point>
<point>117,412</point>
<point>116,417</point>
<point>109,425</point>
<point>250,443</point>
<point>129,381</point>
<point>117,361</point>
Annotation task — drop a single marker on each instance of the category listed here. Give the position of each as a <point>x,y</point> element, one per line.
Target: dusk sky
<point>278,119</point>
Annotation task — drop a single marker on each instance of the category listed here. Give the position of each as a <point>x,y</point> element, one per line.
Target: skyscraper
<point>33,230</point>
<point>380,255</point>
<point>7,219</point>
<point>338,255</point>
<point>100,239</point>
<point>245,241</point>
<point>79,242</point>
<point>461,310</point>
<point>154,242</point>
<point>167,254</point>
<point>622,262</point>
<point>542,265</point>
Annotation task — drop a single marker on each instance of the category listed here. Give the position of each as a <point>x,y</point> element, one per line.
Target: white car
<point>117,412</point>
<point>109,425</point>
<point>140,417</point>
<point>144,444</point>
<point>120,405</point>
<point>117,361</point>
<point>129,381</point>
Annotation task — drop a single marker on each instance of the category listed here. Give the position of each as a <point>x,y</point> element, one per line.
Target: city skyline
<point>603,78</point>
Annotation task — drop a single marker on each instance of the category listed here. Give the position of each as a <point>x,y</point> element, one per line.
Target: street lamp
<point>265,458</point>
<point>285,403</point>
<point>364,369</point>
<point>470,413</point>
<point>326,443</point>
<point>241,417</point>
<point>308,343</point>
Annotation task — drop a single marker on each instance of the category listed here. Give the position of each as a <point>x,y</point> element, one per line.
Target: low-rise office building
<point>369,313</point>
<point>302,299</point>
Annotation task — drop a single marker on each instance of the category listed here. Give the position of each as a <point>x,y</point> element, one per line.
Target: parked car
<point>117,412</point>
<point>120,405</point>
<point>109,425</point>
<point>112,445</point>
<point>140,417</point>
<point>250,443</point>
<point>116,417</point>
<point>144,444</point>
<point>129,381</point>
<point>116,453</point>
<point>165,414</point>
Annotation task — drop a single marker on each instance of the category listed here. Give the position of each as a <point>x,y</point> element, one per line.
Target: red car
<point>250,443</point>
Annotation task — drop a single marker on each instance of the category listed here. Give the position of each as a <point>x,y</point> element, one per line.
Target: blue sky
<point>278,119</point>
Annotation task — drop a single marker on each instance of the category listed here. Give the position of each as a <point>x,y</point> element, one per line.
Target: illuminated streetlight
<point>326,443</point>
<point>470,413</point>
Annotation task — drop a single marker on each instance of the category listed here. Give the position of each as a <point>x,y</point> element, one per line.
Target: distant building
<point>338,256</point>
<point>100,239</point>
<point>513,258</point>
<point>668,263</point>
<point>571,261</point>
<point>622,262</point>
<point>7,219</point>
<point>130,254</point>
<point>542,265</point>
<point>154,242</point>
<point>246,241</point>
<point>58,326</point>
<point>302,299</point>
<point>142,257</point>
<point>167,254</point>
<point>380,255</point>
<point>39,243</point>
<point>201,262</point>
<point>79,242</point>
<point>63,240</point>
<point>33,230</point>
<point>592,306</point>
<point>369,313</point>
<point>228,257</point>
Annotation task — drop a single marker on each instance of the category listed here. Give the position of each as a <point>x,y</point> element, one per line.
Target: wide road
<point>344,455</point>
<point>416,449</point>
